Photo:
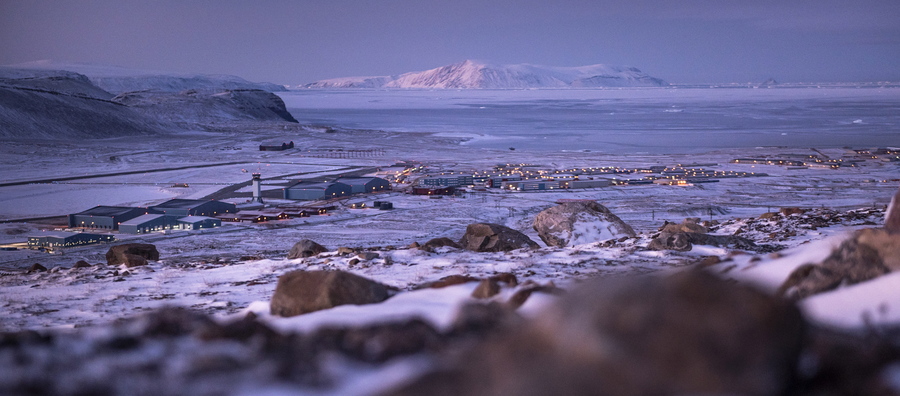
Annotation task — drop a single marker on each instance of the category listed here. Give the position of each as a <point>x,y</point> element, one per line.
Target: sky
<point>301,41</point>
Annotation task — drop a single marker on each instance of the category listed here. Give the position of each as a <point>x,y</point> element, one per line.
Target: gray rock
<point>574,223</point>
<point>449,280</point>
<point>367,255</point>
<point>81,264</point>
<point>671,241</point>
<point>489,237</point>
<point>487,288</point>
<point>343,250</point>
<point>37,267</point>
<point>684,241</point>
<point>687,226</point>
<point>132,254</point>
<point>437,243</point>
<point>892,216</point>
<point>866,255</point>
<point>305,248</point>
<point>524,293</point>
<point>300,292</point>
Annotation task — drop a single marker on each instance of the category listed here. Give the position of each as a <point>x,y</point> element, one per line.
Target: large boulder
<point>489,237</point>
<point>132,254</point>
<point>300,292</point>
<point>576,223</point>
<point>305,248</point>
<point>679,241</point>
<point>866,255</point>
<point>688,334</point>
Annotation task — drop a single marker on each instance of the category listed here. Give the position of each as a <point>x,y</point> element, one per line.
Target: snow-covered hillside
<point>192,107</point>
<point>60,104</point>
<point>472,74</point>
<point>40,104</point>
<point>118,80</point>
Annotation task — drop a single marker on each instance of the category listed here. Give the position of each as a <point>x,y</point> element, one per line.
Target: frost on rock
<point>576,223</point>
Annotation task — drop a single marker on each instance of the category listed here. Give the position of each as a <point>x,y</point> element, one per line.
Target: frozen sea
<point>630,120</point>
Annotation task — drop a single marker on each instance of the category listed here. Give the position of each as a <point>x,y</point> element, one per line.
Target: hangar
<point>66,239</point>
<point>359,185</point>
<point>107,217</point>
<point>194,207</point>
<point>307,191</point>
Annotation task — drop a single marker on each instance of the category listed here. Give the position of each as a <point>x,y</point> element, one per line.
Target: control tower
<point>257,188</point>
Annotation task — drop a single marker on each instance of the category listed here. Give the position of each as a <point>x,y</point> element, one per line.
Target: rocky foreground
<point>691,330</point>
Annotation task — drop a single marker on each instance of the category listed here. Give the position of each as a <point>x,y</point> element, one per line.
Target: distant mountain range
<point>478,75</point>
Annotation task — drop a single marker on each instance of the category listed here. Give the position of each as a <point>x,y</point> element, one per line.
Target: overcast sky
<point>300,41</point>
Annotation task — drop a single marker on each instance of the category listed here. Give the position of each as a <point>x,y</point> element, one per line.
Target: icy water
<point>635,120</point>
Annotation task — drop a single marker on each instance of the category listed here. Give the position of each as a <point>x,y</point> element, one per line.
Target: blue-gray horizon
<point>288,42</point>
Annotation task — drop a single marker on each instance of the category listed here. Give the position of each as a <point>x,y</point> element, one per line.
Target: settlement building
<point>437,190</point>
<point>450,181</point>
<point>585,183</point>
<point>306,191</point>
<point>148,223</point>
<point>66,239</point>
<point>530,185</point>
<point>160,222</point>
<point>359,185</point>
<point>194,207</point>
<point>198,222</point>
<point>242,217</point>
<point>276,147</point>
<point>106,217</point>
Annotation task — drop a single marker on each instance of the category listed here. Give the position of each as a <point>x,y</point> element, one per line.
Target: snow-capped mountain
<point>478,75</point>
<point>118,80</point>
